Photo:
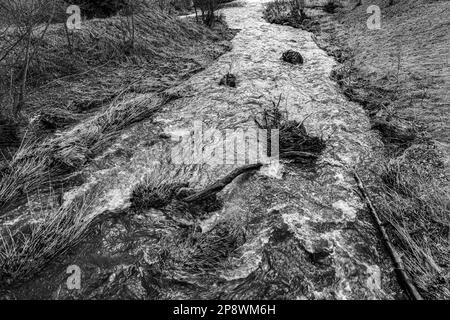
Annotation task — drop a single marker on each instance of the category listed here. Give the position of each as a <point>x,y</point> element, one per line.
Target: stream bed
<point>289,232</point>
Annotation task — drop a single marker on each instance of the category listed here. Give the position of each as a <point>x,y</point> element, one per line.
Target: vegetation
<point>289,12</point>
<point>25,251</point>
<point>416,209</point>
<point>294,141</point>
<point>402,90</point>
<point>188,249</point>
<point>65,95</point>
<point>68,74</point>
<point>37,53</point>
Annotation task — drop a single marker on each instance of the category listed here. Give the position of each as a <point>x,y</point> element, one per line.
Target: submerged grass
<point>108,64</point>
<point>35,163</point>
<point>157,189</point>
<point>200,252</point>
<point>27,250</point>
<point>105,65</point>
<point>196,252</point>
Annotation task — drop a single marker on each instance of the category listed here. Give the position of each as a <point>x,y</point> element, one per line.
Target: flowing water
<point>306,233</point>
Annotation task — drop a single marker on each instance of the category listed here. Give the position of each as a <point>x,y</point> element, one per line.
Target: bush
<point>285,12</point>
<point>330,7</point>
<point>207,9</point>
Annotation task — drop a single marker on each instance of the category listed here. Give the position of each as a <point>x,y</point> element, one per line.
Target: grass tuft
<point>35,163</point>
<point>27,250</point>
<point>294,141</point>
<point>284,12</point>
<point>417,207</point>
<point>158,189</point>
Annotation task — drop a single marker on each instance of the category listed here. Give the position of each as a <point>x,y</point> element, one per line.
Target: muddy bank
<point>282,232</point>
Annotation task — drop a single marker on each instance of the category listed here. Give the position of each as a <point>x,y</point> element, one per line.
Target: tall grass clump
<point>37,53</point>
<point>416,208</point>
<point>160,187</point>
<point>295,143</point>
<point>289,12</point>
<point>110,64</point>
<point>35,163</point>
<point>27,250</point>
<point>23,24</point>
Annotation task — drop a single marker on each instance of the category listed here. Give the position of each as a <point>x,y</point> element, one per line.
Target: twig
<point>402,277</point>
<point>12,47</point>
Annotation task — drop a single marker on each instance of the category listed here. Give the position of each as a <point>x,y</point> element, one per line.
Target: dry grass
<point>99,60</point>
<point>35,163</point>
<point>24,174</point>
<point>418,211</point>
<point>100,68</point>
<point>285,12</point>
<point>294,141</point>
<point>157,189</point>
<point>186,248</point>
<point>402,66</point>
<point>25,251</point>
<point>400,74</point>
<point>189,250</point>
<point>199,252</point>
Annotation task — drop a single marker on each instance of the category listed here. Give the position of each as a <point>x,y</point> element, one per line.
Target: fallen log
<point>298,154</point>
<point>222,183</point>
<point>403,278</point>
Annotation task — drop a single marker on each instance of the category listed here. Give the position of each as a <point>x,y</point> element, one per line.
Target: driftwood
<point>404,280</point>
<point>222,183</point>
<point>298,154</point>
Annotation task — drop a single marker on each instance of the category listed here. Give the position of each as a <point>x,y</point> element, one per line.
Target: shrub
<point>207,9</point>
<point>27,250</point>
<point>330,7</point>
<point>289,12</point>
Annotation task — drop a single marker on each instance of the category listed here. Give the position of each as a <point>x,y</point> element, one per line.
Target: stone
<point>228,80</point>
<point>292,57</point>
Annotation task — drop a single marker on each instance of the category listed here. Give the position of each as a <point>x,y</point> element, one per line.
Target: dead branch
<point>403,278</point>
<point>222,183</point>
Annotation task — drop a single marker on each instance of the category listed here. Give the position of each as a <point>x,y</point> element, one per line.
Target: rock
<point>292,56</point>
<point>228,80</point>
